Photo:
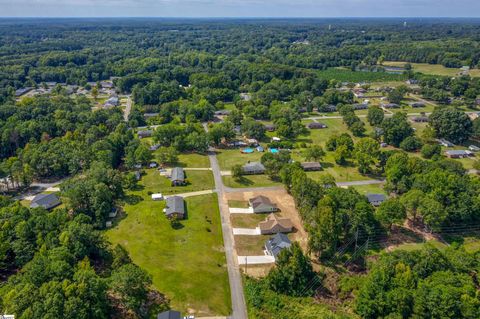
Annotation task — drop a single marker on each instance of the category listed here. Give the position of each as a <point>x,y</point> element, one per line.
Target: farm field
<point>432,69</point>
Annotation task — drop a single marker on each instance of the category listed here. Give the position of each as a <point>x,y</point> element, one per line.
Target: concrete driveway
<point>236,210</point>
<point>255,260</point>
<point>246,231</point>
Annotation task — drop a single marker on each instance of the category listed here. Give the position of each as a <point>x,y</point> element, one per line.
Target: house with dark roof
<point>170,314</point>
<point>458,153</point>
<point>22,91</point>
<point>445,143</point>
<point>177,176</point>
<point>274,225</point>
<point>175,207</point>
<point>276,244</point>
<point>150,115</point>
<point>253,168</point>
<point>262,204</point>
<point>391,106</point>
<point>420,119</point>
<point>316,125</point>
<point>376,199</point>
<point>269,127</point>
<point>47,201</point>
<point>417,104</point>
<point>145,133</point>
<point>360,106</point>
<point>328,108</point>
<point>311,166</point>
<point>222,112</point>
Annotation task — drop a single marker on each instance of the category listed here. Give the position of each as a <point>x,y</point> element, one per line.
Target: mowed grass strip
<point>247,220</point>
<point>187,264</point>
<point>250,181</point>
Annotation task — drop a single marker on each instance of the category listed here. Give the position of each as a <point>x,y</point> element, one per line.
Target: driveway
<point>246,231</point>
<point>235,210</point>
<point>191,194</point>
<point>255,260</point>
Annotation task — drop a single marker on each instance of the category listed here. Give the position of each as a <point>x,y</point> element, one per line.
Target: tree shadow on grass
<point>243,181</point>
<point>133,199</point>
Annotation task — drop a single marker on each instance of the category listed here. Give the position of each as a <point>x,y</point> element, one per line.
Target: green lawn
<point>370,189</point>
<point>198,180</point>
<point>335,126</point>
<point>187,264</point>
<point>250,181</point>
<point>247,220</point>
<point>229,158</point>
<point>238,203</point>
<point>193,160</point>
<point>250,245</point>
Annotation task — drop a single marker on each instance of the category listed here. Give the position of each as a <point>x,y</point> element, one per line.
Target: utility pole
<point>246,264</point>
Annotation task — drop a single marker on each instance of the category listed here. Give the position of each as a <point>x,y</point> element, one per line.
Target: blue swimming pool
<point>247,150</point>
<point>274,150</point>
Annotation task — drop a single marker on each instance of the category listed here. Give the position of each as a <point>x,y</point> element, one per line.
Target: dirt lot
<point>287,208</point>
<point>253,245</point>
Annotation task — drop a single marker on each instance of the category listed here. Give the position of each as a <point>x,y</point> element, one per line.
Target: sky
<point>239,8</point>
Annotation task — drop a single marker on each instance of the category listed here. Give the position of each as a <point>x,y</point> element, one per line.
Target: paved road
<point>128,109</point>
<point>235,278</point>
<point>256,260</point>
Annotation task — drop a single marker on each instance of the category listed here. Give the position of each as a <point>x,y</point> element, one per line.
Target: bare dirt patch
<point>287,208</point>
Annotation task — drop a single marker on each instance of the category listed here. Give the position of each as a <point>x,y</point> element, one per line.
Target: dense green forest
<point>58,264</point>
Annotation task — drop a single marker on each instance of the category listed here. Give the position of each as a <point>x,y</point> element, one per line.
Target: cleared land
<point>187,264</point>
<point>434,69</point>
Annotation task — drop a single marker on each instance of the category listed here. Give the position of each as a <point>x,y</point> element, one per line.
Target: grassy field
<point>433,69</point>
<point>193,160</point>
<point>229,158</point>
<point>247,220</point>
<point>372,189</point>
<point>250,245</point>
<point>198,180</point>
<point>250,181</point>
<point>187,264</point>
<point>238,203</point>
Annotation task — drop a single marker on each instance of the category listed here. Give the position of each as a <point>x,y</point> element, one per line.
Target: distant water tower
<point>405,24</point>
<point>329,27</point>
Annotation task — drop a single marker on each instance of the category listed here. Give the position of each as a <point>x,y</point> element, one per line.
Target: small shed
<point>157,196</point>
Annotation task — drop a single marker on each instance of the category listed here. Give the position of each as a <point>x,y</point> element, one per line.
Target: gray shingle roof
<point>376,198</point>
<point>277,243</point>
<point>170,314</point>
<point>175,205</point>
<point>254,166</point>
<point>47,201</point>
<point>177,174</point>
